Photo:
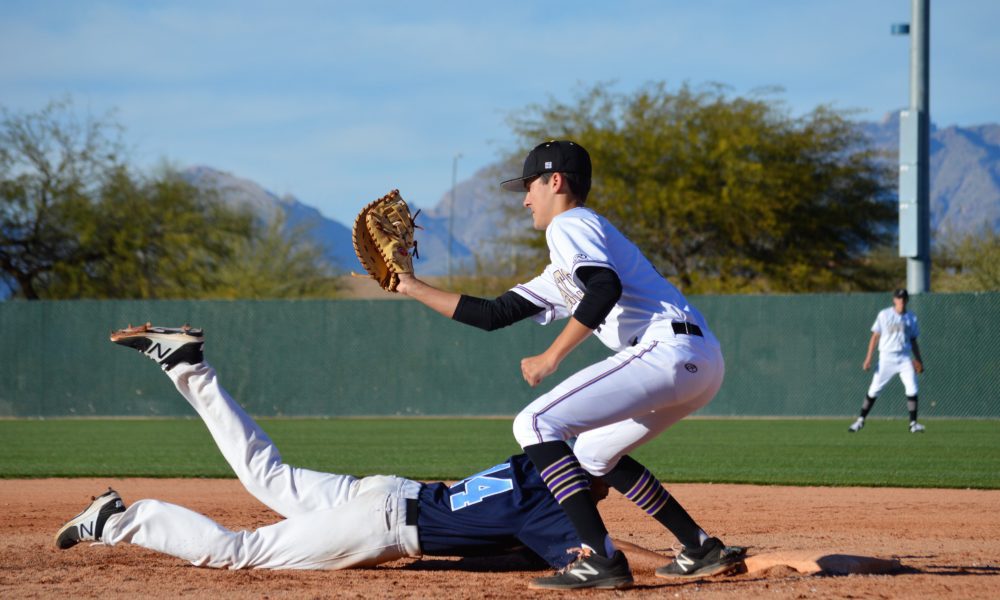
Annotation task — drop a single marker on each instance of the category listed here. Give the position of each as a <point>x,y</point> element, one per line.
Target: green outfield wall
<point>785,356</point>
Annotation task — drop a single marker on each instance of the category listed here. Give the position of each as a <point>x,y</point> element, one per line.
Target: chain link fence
<point>801,355</point>
<point>785,356</point>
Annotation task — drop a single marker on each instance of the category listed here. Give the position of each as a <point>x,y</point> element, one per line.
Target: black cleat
<point>167,346</point>
<point>89,525</point>
<point>589,570</point>
<point>712,558</point>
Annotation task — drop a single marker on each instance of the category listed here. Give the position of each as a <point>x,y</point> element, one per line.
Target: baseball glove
<point>383,239</point>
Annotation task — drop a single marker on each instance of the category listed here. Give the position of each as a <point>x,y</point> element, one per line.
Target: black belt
<point>412,511</point>
<point>686,328</point>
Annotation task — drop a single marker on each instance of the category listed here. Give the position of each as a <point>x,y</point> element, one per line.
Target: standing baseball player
<point>667,364</point>
<point>895,332</point>
<point>330,521</point>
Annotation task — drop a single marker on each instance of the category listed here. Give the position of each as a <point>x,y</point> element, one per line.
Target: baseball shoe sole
<point>89,525</point>
<point>166,346</point>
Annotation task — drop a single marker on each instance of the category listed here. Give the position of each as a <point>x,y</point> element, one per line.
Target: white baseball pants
<point>891,364</point>
<point>330,521</point>
<point>620,403</point>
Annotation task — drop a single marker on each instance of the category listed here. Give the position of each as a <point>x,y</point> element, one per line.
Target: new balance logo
<point>684,562</point>
<point>582,571</point>
<point>87,529</point>
<point>161,351</point>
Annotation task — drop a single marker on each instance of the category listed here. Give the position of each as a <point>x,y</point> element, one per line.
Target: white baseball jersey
<point>649,303</point>
<point>655,378</point>
<point>894,346</point>
<point>895,331</point>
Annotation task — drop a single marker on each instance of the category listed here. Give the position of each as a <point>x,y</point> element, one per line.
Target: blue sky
<point>337,102</point>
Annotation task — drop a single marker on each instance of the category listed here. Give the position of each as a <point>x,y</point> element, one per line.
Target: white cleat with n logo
<point>89,525</point>
<point>166,345</point>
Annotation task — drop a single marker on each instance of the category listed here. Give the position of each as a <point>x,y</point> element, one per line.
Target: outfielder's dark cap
<point>557,156</point>
<point>901,293</point>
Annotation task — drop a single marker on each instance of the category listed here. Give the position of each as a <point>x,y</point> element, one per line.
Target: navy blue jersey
<point>494,511</point>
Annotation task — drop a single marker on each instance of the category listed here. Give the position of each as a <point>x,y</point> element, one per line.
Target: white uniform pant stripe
<point>580,388</point>
<point>615,405</point>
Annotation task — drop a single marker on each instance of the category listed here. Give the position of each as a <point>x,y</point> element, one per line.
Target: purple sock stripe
<point>639,486</point>
<point>572,483</point>
<point>566,493</point>
<point>649,496</point>
<point>652,510</point>
<point>555,482</point>
<point>655,491</point>
<point>559,464</point>
<point>564,476</point>
<point>534,418</point>
<point>643,496</point>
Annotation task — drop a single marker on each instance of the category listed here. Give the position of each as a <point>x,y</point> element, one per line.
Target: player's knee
<point>596,465</point>
<point>594,459</point>
<point>533,428</point>
<point>523,432</point>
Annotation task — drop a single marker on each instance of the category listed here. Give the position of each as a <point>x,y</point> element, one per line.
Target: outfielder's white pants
<point>620,403</point>
<point>891,364</point>
<point>331,521</point>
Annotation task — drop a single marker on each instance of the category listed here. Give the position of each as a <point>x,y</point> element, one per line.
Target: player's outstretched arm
<point>639,558</point>
<point>437,299</point>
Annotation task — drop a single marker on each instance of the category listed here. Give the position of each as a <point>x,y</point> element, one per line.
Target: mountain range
<point>471,220</point>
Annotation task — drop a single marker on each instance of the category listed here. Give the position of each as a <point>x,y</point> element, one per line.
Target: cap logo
<point>548,164</point>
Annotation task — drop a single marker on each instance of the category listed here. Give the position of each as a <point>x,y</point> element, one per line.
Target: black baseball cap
<point>901,293</point>
<point>556,156</point>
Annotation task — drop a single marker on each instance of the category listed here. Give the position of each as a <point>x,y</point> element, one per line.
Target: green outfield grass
<point>953,453</point>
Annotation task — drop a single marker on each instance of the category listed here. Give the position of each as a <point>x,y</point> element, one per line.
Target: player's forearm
<point>571,336</point>
<point>536,368</point>
<point>916,349</point>
<point>639,557</point>
<point>871,346</point>
<point>437,299</point>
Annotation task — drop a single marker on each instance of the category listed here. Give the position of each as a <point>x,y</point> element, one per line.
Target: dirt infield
<point>946,541</point>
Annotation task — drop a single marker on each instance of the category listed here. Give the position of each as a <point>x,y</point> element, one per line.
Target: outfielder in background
<point>667,364</point>
<point>895,332</point>
<point>330,521</point>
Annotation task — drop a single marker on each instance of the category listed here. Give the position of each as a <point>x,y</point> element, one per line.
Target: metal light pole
<point>914,155</point>
<point>451,209</point>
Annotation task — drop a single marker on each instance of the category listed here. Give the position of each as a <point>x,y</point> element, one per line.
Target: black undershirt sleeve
<point>602,290</point>
<point>494,314</point>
